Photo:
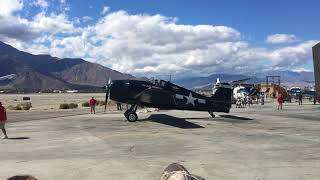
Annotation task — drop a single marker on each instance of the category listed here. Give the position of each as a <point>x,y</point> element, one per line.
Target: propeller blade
<point>109,80</point>
<point>108,86</point>
<point>106,99</point>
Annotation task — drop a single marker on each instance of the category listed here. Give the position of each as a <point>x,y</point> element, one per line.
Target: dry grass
<point>21,106</point>
<point>68,106</point>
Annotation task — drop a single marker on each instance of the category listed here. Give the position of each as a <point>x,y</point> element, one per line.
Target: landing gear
<point>132,117</point>
<point>131,114</point>
<point>211,114</point>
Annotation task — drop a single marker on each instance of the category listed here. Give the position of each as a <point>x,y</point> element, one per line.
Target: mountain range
<point>287,78</point>
<point>44,72</point>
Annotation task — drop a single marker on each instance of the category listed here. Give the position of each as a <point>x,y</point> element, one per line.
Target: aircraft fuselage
<point>165,95</point>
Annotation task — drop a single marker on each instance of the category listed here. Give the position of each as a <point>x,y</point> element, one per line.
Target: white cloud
<point>145,44</point>
<point>55,23</point>
<point>86,18</point>
<point>42,3</point>
<point>152,44</point>
<point>292,56</point>
<point>105,10</point>
<point>281,38</point>
<point>16,28</point>
<point>7,7</point>
<point>64,6</point>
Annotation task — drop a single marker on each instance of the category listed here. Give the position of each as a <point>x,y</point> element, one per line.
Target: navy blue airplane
<point>167,96</point>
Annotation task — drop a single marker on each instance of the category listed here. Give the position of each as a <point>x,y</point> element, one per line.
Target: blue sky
<point>148,37</point>
<point>255,19</point>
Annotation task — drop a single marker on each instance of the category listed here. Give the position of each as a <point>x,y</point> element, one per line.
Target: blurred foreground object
<point>176,171</point>
<point>23,177</point>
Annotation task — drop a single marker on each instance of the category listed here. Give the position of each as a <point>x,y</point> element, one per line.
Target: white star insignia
<point>190,99</point>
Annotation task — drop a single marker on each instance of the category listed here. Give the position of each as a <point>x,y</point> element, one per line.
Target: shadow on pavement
<point>172,121</point>
<point>18,138</point>
<point>236,117</point>
<point>199,118</point>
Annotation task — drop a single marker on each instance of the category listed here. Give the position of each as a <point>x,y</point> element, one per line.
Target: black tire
<point>211,114</point>
<point>126,113</point>
<point>132,116</point>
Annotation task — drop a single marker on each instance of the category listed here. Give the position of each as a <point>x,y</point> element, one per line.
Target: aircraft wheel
<point>211,114</point>
<point>132,117</point>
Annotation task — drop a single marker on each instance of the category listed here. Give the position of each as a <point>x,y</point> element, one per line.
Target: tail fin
<point>222,97</point>
<point>222,92</point>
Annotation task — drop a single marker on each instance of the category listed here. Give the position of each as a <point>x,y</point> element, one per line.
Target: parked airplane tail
<point>221,97</point>
<point>222,92</point>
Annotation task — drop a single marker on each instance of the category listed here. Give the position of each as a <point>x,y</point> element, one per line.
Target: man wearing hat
<point>3,119</point>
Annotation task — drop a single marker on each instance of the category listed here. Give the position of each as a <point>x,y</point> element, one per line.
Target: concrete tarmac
<point>254,143</point>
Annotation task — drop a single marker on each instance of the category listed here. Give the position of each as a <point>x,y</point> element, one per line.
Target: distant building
<point>316,63</point>
<point>271,90</point>
<point>71,91</point>
<point>57,91</point>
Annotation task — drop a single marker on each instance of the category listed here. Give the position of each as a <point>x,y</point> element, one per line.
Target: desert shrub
<point>73,105</point>
<point>10,107</point>
<point>112,103</point>
<point>68,106</point>
<point>85,104</point>
<point>25,105</point>
<point>17,107</point>
<point>101,103</point>
<point>64,106</point>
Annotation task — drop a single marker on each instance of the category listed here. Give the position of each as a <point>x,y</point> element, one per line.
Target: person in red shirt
<point>92,104</point>
<point>3,119</point>
<point>280,100</point>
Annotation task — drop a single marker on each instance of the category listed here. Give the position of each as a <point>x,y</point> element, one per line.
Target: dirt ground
<point>253,143</point>
<point>49,101</point>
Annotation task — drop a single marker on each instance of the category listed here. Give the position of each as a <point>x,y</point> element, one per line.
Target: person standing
<point>92,104</point>
<point>239,102</point>
<point>245,101</point>
<point>119,106</point>
<point>280,100</point>
<point>249,100</point>
<point>300,98</point>
<point>3,119</point>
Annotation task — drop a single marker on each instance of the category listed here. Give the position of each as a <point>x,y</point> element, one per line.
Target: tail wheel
<point>211,114</point>
<point>132,116</point>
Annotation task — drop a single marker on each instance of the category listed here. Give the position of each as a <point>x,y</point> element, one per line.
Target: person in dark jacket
<point>119,106</point>
<point>300,99</point>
